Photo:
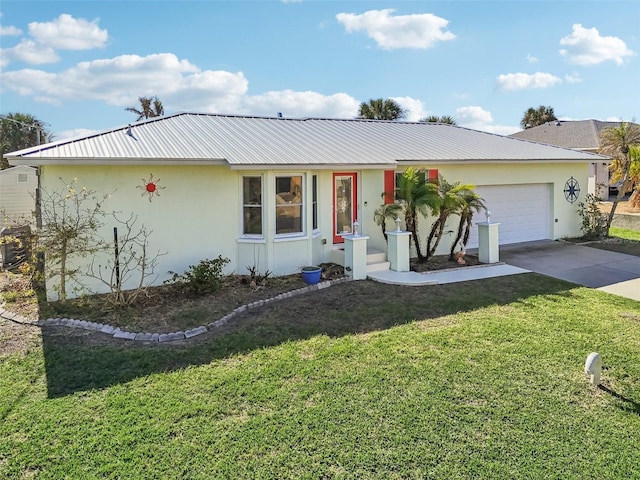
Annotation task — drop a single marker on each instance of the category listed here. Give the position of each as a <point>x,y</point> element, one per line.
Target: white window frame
<point>289,204</point>
<point>315,219</point>
<point>251,205</point>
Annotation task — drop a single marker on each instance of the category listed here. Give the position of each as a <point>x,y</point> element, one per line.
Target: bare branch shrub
<point>130,260</point>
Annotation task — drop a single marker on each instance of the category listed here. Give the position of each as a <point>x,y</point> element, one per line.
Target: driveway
<point>611,272</point>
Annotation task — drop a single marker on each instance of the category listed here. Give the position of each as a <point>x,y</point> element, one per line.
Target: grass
<point>620,240</point>
<point>473,380</point>
<point>633,235</point>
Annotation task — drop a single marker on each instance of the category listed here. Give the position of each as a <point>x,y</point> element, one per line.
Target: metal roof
<point>246,142</point>
<point>577,134</point>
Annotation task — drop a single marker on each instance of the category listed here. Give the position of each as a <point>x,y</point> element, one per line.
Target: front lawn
<point>620,240</point>
<point>471,380</point>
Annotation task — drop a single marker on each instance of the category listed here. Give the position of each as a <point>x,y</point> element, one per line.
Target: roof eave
<point>40,161</point>
<point>317,166</point>
<point>503,160</point>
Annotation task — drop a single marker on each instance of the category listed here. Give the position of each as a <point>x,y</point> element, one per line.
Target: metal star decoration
<point>571,190</point>
<point>150,187</point>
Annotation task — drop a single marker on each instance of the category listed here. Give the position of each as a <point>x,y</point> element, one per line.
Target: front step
<point>377,267</point>
<point>376,259</point>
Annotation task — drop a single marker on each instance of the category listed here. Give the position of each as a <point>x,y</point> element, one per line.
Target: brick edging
<point>116,332</point>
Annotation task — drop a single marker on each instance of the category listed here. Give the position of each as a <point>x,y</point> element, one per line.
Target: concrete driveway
<point>611,272</point>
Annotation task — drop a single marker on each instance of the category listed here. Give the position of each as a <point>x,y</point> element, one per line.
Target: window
<point>393,178</point>
<point>289,204</point>
<point>314,200</point>
<point>22,177</point>
<point>252,205</point>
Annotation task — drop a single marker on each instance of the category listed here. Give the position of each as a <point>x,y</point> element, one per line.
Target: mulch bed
<point>441,262</point>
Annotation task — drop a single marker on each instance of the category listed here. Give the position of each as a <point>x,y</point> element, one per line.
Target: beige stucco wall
<point>198,214</point>
<point>566,221</point>
<point>193,217</point>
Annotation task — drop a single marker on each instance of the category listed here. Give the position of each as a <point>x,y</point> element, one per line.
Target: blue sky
<point>76,65</point>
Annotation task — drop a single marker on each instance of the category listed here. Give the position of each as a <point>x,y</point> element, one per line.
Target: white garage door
<point>523,211</point>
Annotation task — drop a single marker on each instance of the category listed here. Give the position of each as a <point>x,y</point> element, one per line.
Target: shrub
<point>205,277</point>
<point>11,296</point>
<point>594,222</point>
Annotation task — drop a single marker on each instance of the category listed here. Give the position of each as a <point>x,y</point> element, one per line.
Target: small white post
<point>488,244</point>
<point>398,251</point>
<point>593,367</point>
<point>355,256</point>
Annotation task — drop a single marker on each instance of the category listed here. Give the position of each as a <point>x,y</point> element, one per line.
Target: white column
<point>355,256</point>
<point>488,251</point>
<point>398,250</point>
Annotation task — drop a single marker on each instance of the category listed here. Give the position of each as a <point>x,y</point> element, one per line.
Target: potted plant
<point>311,274</point>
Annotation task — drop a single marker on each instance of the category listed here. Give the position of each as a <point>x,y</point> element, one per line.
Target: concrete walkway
<point>610,272</point>
<point>463,274</point>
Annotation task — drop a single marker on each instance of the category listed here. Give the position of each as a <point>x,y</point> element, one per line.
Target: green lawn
<point>474,380</point>
<point>625,234</point>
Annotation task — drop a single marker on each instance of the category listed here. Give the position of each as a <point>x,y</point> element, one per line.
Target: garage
<point>523,211</point>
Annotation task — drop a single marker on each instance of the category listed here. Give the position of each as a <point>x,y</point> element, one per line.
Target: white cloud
<point>77,132</point>
<point>414,108</point>
<point>585,46</point>
<point>524,81</point>
<point>120,80</point>
<point>421,30</point>
<point>68,33</point>
<point>9,31</point>
<point>63,33</point>
<point>472,115</point>
<point>531,58</point>
<point>29,52</point>
<point>572,78</point>
<point>478,118</point>
<point>179,84</point>
<point>300,104</point>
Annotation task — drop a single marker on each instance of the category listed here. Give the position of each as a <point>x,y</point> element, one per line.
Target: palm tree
<point>18,131</point>
<point>618,142</point>
<point>436,119</point>
<point>380,109</point>
<point>451,199</point>
<point>634,174</point>
<point>537,116</point>
<point>389,211</point>
<point>416,196</point>
<point>472,202</point>
<point>149,107</point>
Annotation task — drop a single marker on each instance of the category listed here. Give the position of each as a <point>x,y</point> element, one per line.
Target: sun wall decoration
<point>150,187</point>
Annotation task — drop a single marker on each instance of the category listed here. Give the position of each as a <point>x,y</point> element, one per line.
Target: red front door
<point>345,204</point>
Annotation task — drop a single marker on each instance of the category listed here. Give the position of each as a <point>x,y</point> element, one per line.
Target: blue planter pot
<point>311,275</point>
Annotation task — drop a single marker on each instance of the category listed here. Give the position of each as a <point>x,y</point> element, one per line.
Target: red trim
<point>354,201</point>
<point>433,175</point>
<point>389,186</point>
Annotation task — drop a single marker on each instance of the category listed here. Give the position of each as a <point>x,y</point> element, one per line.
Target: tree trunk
<point>467,230</point>
<point>413,228</point>
<point>634,199</point>
<point>63,270</point>
<point>458,236</point>
<point>441,225</point>
<point>621,193</point>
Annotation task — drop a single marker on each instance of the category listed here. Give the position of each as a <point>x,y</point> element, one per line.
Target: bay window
<point>289,204</point>
<point>252,205</point>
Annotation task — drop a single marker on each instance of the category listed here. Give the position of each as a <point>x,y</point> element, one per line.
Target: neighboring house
<point>277,193</point>
<point>583,135</point>
<point>17,196</point>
